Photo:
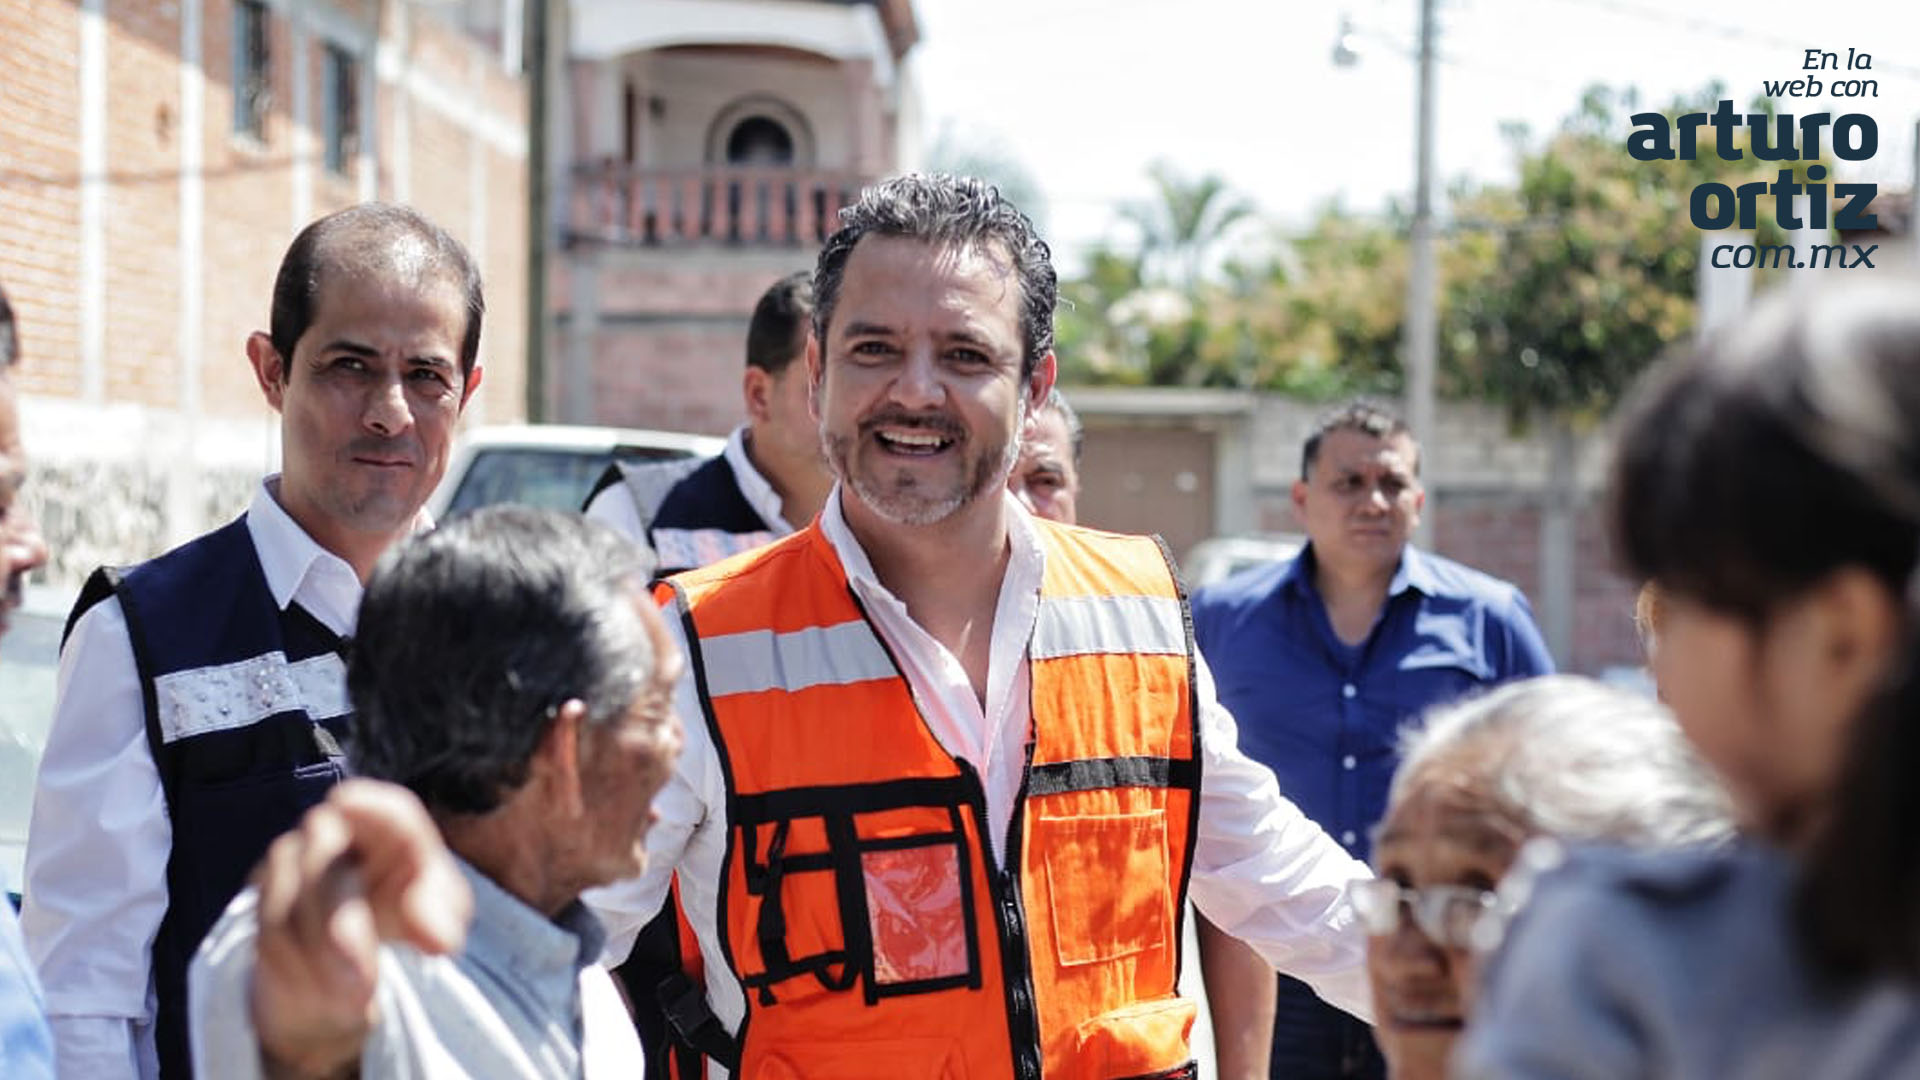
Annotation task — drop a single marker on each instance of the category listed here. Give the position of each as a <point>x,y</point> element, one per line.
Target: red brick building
<point>156,156</point>
<point>706,147</point>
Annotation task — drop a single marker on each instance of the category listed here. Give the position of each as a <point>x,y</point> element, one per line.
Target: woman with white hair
<point>1561,756</point>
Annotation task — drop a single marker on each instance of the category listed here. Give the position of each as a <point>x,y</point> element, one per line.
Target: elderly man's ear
<point>556,763</point>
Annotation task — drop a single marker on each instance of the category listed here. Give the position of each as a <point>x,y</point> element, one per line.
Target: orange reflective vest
<point>862,913</point>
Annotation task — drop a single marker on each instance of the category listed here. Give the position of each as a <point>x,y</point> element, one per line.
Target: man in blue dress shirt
<point>1322,659</point>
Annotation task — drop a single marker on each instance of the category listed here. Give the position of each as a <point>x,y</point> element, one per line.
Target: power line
<point>1710,28</point>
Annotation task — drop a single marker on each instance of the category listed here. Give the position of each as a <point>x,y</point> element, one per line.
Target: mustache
<point>376,446</point>
<point>938,423</point>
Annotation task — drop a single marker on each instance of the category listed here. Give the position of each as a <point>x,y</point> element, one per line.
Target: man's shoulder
<point>709,497</point>
<point>1661,905</point>
<point>782,556</point>
<point>1244,588</point>
<point>1456,580</point>
<point>206,560</point>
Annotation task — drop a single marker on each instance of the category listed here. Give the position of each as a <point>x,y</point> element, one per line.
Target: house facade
<point>155,161</point>
<point>706,149</point>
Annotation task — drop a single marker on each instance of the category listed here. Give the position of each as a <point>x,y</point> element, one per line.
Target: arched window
<point>759,140</point>
<point>760,130</point>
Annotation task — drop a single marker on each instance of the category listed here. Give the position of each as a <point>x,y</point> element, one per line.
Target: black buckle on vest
<point>684,1005</point>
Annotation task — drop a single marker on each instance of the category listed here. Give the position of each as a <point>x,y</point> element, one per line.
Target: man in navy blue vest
<point>201,698</point>
<point>770,480</point>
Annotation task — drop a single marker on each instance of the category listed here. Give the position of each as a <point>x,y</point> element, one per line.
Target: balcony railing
<point>712,205</point>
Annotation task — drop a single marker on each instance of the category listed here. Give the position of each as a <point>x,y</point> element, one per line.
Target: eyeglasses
<point>1453,916</point>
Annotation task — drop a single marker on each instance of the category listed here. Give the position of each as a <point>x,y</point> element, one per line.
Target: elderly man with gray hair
<point>512,683</point>
<point>1561,757</point>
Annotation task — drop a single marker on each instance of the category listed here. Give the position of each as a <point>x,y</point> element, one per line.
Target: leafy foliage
<point>1556,289</point>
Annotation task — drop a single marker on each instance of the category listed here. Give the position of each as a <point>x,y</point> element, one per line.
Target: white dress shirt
<point>522,1000</point>
<point>1262,871</point>
<point>98,842</point>
<point>615,506</point>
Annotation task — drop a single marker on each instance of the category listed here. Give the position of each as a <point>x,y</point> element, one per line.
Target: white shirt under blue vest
<point>97,847</point>
<point>615,506</point>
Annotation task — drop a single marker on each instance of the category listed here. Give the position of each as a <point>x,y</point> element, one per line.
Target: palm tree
<point>1181,228</point>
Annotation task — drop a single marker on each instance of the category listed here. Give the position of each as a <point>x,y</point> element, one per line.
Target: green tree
<point>1183,224</point>
<point>1586,269</point>
<point>1587,274</point>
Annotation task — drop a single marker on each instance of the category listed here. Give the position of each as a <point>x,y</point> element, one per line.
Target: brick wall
<point>40,195</point>
<point>171,465</point>
<point>670,337</point>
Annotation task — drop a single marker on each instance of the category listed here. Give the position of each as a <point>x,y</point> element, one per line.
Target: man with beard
<point>202,701</point>
<point>948,796</point>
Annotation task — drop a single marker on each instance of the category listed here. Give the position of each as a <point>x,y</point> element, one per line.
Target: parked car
<point>553,465</point>
<point>1224,556</point>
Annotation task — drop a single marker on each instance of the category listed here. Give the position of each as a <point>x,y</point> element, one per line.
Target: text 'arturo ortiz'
<point>1715,205</point>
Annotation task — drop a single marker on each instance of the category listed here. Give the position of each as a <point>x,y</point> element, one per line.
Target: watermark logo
<point>1714,205</point>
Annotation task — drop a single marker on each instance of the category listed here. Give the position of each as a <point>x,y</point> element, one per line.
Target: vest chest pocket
<point>1108,876</point>
<point>885,898</point>
<point>917,914</point>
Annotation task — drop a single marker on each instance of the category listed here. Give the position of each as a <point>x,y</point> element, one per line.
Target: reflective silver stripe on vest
<point>201,700</point>
<point>701,547</point>
<point>756,660</point>
<point>1086,625</point>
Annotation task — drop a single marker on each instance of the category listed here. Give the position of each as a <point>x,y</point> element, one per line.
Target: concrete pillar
<point>583,335</point>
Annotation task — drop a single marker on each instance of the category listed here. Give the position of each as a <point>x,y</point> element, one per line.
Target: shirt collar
<point>1023,535</point>
<point>540,953</point>
<point>1414,572</point>
<point>755,488</point>
<point>287,554</point>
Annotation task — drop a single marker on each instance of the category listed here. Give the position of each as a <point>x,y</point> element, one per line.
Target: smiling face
<point>919,391</point>
<point>1361,501</point>
<point>368,402</point>
<point>1445,830</point>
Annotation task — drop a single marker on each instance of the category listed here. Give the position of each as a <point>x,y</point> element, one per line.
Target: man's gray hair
<point>473,635</point>
<point>946,210</point>
<point>1576,759</point>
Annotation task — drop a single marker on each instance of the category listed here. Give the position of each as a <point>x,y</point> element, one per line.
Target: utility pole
<point>540,76</point>
<point>1420,347</point>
